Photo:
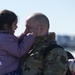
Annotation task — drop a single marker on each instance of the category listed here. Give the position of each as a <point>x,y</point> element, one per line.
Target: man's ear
<point>5,26</point>
<point>41,28</point>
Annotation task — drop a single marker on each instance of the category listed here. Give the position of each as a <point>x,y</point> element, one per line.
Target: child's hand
<point>31,34</point>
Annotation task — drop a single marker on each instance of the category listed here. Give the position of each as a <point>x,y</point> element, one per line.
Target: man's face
<point>32,26</point>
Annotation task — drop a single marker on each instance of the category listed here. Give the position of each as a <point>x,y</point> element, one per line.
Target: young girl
<point>70,56</point>
<point>10,49</point>
<point>71,64</point>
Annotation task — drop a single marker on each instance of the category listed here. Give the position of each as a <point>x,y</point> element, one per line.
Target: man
<point>41,60</point>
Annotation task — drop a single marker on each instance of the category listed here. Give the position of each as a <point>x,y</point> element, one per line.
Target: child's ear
<point>5,26</point>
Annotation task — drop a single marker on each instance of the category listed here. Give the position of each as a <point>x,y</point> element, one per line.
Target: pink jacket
<point>11,51</point>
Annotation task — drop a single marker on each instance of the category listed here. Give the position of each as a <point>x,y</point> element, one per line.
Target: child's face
<point>14,26</point>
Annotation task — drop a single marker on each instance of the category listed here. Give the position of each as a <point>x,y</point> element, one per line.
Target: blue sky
<point>61,13</point>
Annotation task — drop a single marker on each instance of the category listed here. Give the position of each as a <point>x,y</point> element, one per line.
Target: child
<point>71,63</point>
<point>10,49</point>
<point>70,56</point>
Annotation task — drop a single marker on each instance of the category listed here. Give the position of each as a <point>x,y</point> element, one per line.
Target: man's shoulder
<point>55,49</point>
<point>56,58</point>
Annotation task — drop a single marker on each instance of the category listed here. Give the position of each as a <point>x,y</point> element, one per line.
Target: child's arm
<point>21,37</point>
<point>12,47</point>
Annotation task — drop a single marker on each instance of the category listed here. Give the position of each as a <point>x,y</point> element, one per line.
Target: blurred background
<point>61,14</point>
<point>67,42</point>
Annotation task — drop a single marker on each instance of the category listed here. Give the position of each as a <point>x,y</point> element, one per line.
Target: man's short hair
<point>41,18</point>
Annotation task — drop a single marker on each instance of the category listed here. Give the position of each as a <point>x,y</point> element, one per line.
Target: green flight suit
<point>55,63</point>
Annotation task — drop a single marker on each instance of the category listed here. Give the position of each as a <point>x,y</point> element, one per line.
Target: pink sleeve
<point>12,47</point>
<point>21,37</point>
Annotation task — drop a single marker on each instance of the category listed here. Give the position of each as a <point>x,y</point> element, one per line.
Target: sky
<point>61,13</point>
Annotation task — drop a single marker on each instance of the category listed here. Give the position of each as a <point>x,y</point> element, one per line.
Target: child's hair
<point>7,17</point>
